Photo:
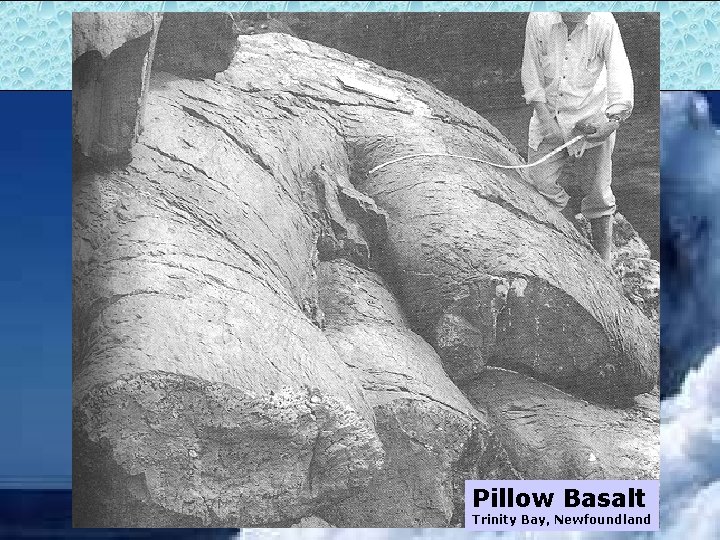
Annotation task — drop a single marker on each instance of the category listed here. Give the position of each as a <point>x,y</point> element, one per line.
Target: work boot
<point>601,231</point>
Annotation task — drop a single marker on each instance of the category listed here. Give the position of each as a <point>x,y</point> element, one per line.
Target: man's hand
<point>552,134</point>
<point>603,131</point>
<point>586,127</point>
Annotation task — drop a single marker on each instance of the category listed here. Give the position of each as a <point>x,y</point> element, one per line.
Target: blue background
<point>714,102</point>
<point>35,286</point>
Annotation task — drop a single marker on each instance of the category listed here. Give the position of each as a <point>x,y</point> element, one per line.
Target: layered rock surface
<point>266,333</point>
<point>549,434</point>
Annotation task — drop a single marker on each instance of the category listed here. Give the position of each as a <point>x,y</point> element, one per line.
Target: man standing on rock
<point>577,76</point>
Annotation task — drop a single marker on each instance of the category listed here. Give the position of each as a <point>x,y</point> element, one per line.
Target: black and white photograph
<point>329,266</point>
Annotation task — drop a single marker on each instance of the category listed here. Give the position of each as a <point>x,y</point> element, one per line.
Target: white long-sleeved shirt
<point>583,74</point>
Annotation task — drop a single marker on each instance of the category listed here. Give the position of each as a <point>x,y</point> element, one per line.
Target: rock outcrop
<point>631,262</point>
<point>267,333</point>
<point>422,419</point>
<point>112,61</point>
<point>549,434</point>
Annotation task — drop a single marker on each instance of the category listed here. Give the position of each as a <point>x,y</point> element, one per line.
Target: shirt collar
<point>556,18</point>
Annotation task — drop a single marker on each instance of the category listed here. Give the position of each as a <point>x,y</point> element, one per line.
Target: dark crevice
<point>175,158</point>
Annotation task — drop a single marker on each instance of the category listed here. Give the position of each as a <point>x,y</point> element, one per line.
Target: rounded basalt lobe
<point>198,375</point>
<point>547,334</point>
<point>457,229</point>
<point>182,451</point>
<point>432,436</point>
<point>552,435</point>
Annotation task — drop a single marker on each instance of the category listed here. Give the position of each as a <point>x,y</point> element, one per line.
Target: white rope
<point>478,160</point>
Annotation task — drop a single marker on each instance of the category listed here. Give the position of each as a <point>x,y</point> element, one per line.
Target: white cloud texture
<point>690,455</point>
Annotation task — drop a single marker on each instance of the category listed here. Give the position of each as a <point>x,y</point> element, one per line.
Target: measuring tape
<point>478,160</point>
